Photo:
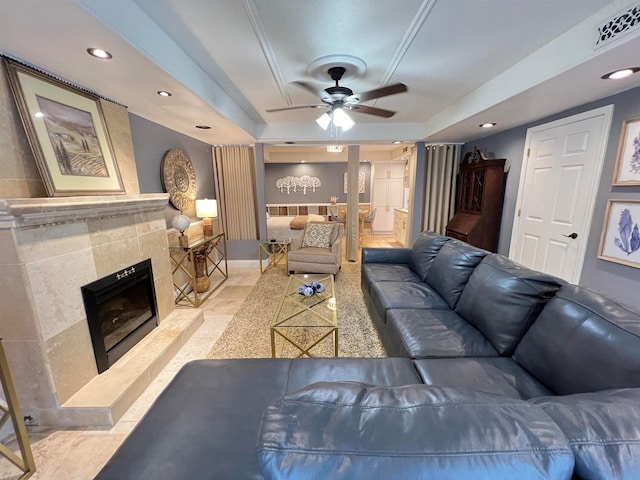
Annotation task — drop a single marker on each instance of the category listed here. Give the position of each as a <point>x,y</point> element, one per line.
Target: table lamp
<point>206,209</point>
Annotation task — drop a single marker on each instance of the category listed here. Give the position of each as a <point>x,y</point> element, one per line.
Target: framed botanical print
<point>627,171</point>
<point>67,133</point>
<point>620,239</point>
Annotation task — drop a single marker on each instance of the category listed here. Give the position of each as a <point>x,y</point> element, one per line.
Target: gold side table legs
<point>11,409</point>
<point>195,265</point>
<point>276,251</point>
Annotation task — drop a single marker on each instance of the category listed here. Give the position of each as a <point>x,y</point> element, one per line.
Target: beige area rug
<point>248,333</point>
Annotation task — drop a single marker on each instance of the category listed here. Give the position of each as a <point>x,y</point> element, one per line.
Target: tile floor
<point>78,454</point>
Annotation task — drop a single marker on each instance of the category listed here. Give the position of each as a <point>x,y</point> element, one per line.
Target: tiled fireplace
<point>49,249</point>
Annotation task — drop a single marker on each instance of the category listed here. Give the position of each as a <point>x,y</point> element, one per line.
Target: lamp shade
<point>206,208</point>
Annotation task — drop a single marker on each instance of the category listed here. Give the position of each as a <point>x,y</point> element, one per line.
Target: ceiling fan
<point>340,97</point>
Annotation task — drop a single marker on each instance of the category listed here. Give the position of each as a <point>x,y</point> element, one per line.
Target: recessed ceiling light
<point>487,125</point>
<point>303,161</point>
<point>99,53</point>
<point>39,115</point>
<point>397,142</point>
<point>203,127</point>
<point>164,93</point>
<point>622,73</point>
<point>289,143</point>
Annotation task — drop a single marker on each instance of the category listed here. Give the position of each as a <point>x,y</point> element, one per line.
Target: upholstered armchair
<point>319,250</point>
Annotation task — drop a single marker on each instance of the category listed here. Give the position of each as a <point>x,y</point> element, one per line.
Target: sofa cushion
<point>424,250</point>
<point>392,372</point>
<point>434,334</point>
<point>383,272</point>
<point>497,375</point>
<point>352,431</point>
<point>451,269</point>
<point>317,235</point>
<point>502,299</point>
<point>582,342</point>
<point>388,295</point>
<point>603,429</point>
<point>313,255</point>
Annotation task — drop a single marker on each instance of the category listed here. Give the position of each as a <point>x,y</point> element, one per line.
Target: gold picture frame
<point>620,238</point>
<point>67,133</point>
<point>627,171</point>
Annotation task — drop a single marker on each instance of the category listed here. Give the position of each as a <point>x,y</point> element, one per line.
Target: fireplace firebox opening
<point>121,310</point>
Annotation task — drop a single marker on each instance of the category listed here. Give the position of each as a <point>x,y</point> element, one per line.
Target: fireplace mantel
<point>39,212</point>
<point>50,249</point>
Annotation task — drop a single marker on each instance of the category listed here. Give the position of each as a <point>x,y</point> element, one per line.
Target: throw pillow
<point>312,217</point>
<point>298,222</point>
<point>317,235</point>
<point>335,232</point>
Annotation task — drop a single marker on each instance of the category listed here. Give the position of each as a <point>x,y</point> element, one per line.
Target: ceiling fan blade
<point>378,112</point>
<point>324,96</point>
<point>296,107</point>
<point>377,93</point>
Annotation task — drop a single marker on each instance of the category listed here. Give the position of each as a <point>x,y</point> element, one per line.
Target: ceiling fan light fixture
<point>324,120</point>
<point>342,120</point>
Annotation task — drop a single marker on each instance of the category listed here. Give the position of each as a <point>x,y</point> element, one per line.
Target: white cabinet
<point>400,225</point>
<point>387,194</point>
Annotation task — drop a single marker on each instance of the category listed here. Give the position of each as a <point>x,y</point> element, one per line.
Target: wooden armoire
<point>481,186</point>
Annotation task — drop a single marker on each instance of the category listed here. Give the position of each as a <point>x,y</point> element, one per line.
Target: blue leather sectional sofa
<point>498,372</point>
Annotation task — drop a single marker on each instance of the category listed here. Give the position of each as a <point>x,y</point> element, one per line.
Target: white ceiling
<point>226,62</point>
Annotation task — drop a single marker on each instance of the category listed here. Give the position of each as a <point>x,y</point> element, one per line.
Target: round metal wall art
<point>178,178</point>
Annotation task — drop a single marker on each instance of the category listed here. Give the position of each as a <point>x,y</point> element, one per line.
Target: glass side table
<point>199,268</point>
<point>275,251</point>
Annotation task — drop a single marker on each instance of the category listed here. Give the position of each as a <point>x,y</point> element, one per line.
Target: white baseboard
<point>245,263</point>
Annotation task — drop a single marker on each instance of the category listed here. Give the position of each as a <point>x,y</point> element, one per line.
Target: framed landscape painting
<point>620,239</point>
<point>66,130</point>
<point>627,171</point>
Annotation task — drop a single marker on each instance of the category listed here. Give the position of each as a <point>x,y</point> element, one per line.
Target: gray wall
<point>616,281</point>
<point>151,141</point>
<point>330,174</point>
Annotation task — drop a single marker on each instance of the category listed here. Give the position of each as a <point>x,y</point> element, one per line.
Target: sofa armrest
<point>296,243</point>
<point>386,255</point>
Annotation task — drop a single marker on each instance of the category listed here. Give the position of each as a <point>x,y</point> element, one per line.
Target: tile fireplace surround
<point>49,248</point>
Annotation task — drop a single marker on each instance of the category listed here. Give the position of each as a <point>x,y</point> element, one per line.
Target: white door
<point>387,194</point>
<point>558,186</point>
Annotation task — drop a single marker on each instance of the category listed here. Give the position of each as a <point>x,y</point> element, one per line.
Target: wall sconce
<point>181,223</point>
<point>206,209</point>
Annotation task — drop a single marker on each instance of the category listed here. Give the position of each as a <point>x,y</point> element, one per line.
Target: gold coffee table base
<point>302,325</point>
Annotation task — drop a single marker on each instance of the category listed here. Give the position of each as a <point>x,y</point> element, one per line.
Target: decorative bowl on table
<point>311,288</point>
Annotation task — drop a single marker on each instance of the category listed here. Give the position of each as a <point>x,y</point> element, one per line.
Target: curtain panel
<point>442,164</point>
<point>235,174</point>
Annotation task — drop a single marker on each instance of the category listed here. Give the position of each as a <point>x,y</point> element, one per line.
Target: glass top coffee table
<point>306,326</point>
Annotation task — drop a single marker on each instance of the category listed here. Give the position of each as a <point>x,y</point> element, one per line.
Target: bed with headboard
<point>288,227</point>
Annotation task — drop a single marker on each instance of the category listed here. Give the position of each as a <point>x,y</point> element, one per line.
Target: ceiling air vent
<point>618,25</point>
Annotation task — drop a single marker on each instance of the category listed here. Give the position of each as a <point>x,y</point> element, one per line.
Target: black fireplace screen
<point>121,310</point>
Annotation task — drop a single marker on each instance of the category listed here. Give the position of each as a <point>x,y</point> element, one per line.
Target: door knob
<point>573,236</point>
